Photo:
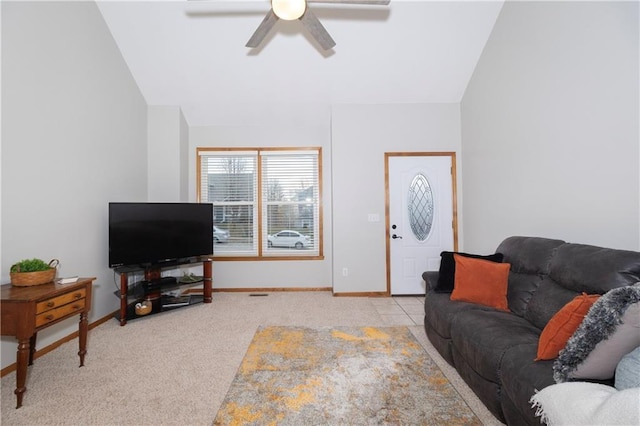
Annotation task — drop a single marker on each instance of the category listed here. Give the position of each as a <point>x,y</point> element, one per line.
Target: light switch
<point>374,217</point>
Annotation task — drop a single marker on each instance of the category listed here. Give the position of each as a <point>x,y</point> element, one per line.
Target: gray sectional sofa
<point>493,350</point>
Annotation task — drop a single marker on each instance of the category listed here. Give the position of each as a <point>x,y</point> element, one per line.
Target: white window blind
<point>282,185</point>
<point>229,181</point>
<point>290,202</point>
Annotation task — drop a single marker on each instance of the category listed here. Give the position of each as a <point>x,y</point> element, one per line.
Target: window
<point>266,201</point>
<point>420,207</point>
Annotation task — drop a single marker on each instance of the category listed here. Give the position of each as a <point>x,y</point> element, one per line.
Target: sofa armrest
<point>431,278</point>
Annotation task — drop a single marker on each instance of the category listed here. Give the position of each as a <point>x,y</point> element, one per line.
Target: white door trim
<point>387,155</point>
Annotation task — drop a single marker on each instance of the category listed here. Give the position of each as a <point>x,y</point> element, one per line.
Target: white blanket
<point>583,403</point>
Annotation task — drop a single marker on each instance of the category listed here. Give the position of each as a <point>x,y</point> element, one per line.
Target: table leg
<point>82,337</point>
<point>22,358</point>
<point>207,277</point>
<point>124,290</point>
<point>32,347</point>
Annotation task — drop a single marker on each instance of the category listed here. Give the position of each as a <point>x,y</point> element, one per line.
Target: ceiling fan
<point>290,10</point>
<point>297,9</point>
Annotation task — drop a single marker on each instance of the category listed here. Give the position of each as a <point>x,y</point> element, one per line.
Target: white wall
<point>184,158</point>
<point>276,125</point>
<point>73,139</point>
<point>550,127</point>
<point>354,139</point>
<point>165,154</point>
<point>361,134</point>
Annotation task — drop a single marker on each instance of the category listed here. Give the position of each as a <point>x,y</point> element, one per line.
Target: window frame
<point>261,202</point>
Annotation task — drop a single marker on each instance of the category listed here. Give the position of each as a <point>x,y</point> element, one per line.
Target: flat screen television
<point>153,234</point>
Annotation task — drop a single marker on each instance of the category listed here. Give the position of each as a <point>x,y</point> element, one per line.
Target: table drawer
<point>61,312</point>
<point>61,300</point>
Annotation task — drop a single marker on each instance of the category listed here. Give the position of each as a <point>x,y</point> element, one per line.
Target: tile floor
<point>400,310</point>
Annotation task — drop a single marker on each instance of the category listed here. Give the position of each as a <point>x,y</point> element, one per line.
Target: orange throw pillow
<point>562,325</point>
<point>481,281</point>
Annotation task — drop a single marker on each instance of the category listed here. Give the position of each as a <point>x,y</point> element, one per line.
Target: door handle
<point>394,236</point>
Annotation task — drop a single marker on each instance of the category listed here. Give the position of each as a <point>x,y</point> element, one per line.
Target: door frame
<point>454,196</point>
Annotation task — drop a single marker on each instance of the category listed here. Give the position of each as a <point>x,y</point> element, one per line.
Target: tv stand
<point>150,290</point>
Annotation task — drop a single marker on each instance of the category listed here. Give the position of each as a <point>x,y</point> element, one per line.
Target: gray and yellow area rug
<point>340,376</point>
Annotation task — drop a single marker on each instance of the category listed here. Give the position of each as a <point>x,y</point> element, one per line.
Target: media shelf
<point>156,294</point>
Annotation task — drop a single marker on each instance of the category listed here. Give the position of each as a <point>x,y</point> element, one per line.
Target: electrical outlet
<point>345,272</point>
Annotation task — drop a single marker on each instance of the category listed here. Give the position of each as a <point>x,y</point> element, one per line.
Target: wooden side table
<point>27,310</point>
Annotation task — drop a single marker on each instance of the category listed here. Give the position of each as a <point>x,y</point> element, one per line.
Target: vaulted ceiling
<point>192,54</point>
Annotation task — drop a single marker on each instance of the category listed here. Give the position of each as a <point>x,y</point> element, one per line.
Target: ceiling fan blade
<point>263,29</point>
<point>315,28</point>
<point>373,2</point>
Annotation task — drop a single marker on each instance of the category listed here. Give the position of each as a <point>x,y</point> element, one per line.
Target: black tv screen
<point>148,234</point>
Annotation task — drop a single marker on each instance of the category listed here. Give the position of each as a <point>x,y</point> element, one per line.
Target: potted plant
<point>30,272</point>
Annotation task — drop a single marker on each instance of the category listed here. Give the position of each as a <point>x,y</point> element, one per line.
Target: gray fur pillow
<point>609,331</point>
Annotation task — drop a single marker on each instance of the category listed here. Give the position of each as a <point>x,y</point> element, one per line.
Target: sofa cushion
<point>591,269</point>
<point>578,268</point>
<point>564,323</point>
<point>529,258</point>
<point>522,286</point>
<point>482,337</point>
<point>529,254</point>
<point>610,330</point>
<point>448,268</point>
<point>481,281</point>
<point>439,312</point>
<point>546,301</point>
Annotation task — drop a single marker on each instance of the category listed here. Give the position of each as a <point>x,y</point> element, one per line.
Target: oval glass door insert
<point>420,207</point>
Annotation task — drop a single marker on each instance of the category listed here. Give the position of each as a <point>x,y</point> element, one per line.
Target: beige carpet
<point>176,368</point>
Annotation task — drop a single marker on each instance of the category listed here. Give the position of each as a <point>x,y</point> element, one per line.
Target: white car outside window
<point>288,238</point>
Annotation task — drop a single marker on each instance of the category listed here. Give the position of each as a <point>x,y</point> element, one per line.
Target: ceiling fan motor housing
<point>289,10</point>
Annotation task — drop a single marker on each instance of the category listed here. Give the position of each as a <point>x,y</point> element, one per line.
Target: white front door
<point>420,217</point>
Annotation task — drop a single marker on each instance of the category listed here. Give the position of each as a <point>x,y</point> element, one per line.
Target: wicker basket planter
<point>143,308</point>
<point>26,279</point>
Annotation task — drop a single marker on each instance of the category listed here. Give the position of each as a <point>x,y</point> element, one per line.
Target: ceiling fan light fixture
<point>289,10</point>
